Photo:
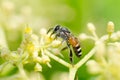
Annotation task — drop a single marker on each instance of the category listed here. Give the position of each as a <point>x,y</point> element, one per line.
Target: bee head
<point>56,28</point>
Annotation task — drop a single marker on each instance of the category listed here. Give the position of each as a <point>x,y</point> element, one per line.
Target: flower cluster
<point>32,50</point>
<point>105,63</point>
<point>38,49</point>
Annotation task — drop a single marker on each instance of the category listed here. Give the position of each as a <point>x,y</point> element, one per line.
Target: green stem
<point>22,72</point>
<point>57,59</point>
<point>72,69</point>
<point>3,65</point>
<point>95,36</point>
<point>72,73</point>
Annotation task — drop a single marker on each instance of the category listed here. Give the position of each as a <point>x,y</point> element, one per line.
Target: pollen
<point>28,30</point>
<point>30,47</point>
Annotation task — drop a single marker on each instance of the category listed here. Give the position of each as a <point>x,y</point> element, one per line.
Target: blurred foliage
<point>74,14</point>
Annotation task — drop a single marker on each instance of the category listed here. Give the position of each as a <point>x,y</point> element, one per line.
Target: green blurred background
<point>74,14</point>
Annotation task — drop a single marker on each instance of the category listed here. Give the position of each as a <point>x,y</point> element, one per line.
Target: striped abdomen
<point>76,46</point>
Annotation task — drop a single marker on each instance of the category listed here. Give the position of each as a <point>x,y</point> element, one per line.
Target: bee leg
<point>56,36</point>
<point>71,55</point>
<point>64,48</point>
<point>49,31</point>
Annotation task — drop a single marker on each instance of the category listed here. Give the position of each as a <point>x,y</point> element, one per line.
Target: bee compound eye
<point>57,27</point>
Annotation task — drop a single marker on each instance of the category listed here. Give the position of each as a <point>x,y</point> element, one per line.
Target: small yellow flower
<point>28,30</point>
<point>30,47</point>
<point>48,39</point>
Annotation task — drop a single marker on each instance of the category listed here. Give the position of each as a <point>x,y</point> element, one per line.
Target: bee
<point>69,38</point>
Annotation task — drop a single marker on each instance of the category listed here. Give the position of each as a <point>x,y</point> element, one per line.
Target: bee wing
<point>65,30</point>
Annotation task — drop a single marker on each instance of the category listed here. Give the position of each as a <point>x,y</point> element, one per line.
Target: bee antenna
<point>49,30</point>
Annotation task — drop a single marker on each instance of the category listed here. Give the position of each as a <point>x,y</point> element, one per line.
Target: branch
<point>57,59</point>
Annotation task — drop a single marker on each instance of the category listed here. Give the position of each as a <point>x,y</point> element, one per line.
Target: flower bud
<point>45,59</point>
<point>38,59</point>
<point>117,46</point>
<point>110,27</point>
<point>56,43</point>
<point>83,36</point>
<point>100,50</point>
<point>114,37</point>
<point>38,67</point>
<point>28,30</point>
<point>118,34</point>
<point>91,27</point>
<point>93,67</point>
<point>30,47</point>
<point>43,31</point>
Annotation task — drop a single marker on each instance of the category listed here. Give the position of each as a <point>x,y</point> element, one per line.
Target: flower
<point>91,27</point>
<point>93,67</point>
<point>110,27</point>
<point>105,64</point>
<point>38,67</point>
<point>28,30</point>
